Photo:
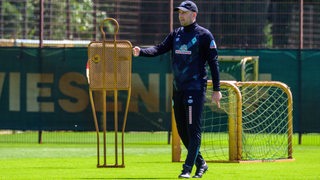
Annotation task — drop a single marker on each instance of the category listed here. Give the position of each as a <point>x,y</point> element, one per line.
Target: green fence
<point>46,89</point>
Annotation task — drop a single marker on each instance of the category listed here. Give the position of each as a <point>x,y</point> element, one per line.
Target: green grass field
<point>143,161</point>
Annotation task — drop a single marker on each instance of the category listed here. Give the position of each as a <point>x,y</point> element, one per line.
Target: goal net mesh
<point>264,126</point>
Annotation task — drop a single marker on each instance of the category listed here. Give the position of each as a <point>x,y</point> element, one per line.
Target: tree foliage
<point>69,19</point>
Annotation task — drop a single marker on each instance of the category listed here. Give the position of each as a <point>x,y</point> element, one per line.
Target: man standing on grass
<point>192,48</point>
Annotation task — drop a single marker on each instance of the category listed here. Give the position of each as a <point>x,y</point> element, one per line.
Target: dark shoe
<point>185,172</point>
<point>200,170</point>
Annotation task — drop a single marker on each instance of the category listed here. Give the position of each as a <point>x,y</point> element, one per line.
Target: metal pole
<point>301,25</point>
<point>41,20</point>
<point>95,3</point>
<point>171,29</point>
<point>171,15</point>
<point>300,69</point>
<point>68,19</point>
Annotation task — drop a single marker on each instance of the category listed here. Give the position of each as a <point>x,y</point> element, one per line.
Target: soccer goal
<point>254,123</point>
<point>239,68</point>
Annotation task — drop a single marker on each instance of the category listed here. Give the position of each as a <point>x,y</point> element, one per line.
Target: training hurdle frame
<point>109,69</point>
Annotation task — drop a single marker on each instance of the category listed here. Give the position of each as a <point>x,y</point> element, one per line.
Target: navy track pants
<point>188,106</point>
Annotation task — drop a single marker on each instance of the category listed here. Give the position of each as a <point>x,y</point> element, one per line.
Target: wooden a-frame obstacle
<point>109,70</point>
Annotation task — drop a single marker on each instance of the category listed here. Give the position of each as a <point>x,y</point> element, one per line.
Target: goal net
<point>254,123</point>
<point>240,68</point>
